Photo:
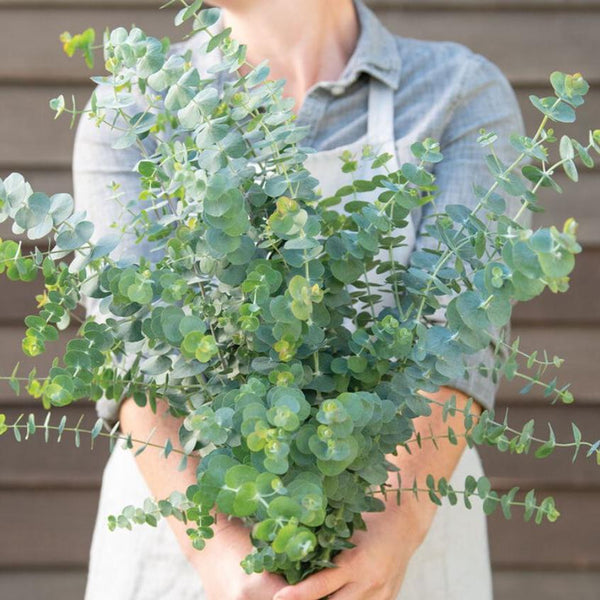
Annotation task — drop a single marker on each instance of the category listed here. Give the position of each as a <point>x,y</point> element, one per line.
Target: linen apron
<point>147,563</point>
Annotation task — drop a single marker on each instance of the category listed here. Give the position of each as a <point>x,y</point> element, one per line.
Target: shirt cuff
<point>477,382</point>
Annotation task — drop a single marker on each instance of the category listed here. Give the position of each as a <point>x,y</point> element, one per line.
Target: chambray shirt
<point>442,89</point>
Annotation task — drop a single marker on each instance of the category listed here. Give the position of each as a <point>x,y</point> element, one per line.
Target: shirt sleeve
<point>486,100</point>
<point>96,166</point>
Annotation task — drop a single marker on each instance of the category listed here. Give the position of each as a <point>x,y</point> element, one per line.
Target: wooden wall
<point>48,495</point>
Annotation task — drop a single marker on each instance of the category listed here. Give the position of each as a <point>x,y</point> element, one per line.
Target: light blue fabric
<point>442,90</point>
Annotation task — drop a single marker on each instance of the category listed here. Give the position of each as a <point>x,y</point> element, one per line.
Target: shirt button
<point>337,90</point>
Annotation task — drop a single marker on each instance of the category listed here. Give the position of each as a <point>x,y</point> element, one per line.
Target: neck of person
<point>304,42</point>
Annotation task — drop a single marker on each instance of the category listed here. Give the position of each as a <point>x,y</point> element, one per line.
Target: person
<point>353,82</point>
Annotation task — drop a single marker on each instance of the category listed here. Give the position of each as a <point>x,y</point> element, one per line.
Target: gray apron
<point>147,563</point>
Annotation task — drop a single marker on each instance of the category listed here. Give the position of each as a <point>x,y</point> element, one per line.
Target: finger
<point>265,585</point>
<point>352,591</point>
<point>315,587</point>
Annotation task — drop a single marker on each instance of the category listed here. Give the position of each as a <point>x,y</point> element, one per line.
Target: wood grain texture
<point>25,113</point>
<point>18,300</point>
<point>569,543</point>
<point>544,585</point>
<point>62,584</point>
<point>579,200</point>
<point>11,354</point>
<point>59,535</point>
<point>579,347</point>
<point>54,465</point>
<point>377,4</point>
<point>579,305</point>
<point>504,36</point>
<point>55,584</point>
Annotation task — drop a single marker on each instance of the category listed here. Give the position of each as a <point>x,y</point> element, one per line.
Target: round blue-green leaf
<point>140,292</point>
<point>246,500</point>
<point>348,270</point>
<point>105,245</point>
<point>61,207</point>
<point>70,239</point>
<point>171,318</point>
<point>221,243</point>
<point>34,212</point>
<point>265,530</point>
<point>191,323</point>
<point>284,507</point>
<point>155,365</point>
<point>240,474</point>
<point>301,545</point>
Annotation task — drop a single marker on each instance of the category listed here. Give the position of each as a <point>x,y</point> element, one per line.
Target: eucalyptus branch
<point>29,428</point>
<point>241,327</point>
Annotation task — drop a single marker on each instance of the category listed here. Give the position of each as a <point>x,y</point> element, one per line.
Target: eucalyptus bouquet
<point>255,317</point>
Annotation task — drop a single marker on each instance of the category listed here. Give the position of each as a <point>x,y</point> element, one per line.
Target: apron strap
<point>381,112</point>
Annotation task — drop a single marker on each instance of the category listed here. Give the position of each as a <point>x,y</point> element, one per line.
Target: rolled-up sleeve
<point>486,100</point>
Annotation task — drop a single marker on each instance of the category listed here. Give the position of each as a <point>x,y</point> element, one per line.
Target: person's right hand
<point>218,565</point>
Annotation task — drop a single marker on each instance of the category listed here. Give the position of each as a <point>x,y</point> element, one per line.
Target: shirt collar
<point>376,51</point>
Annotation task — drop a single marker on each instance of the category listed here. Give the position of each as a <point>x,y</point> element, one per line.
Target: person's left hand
<point>374,569</point>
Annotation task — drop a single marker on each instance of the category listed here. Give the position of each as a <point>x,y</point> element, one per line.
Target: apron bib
<point>147,564</point>
<point>326,167</point>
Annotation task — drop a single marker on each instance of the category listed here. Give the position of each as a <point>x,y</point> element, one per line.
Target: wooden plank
<point>479,4</point>
<point>495,5</point>
<point>570,542</point>
<point>59,535</point>
<point>580,349</point>
<point>45,60</point>
<point>509,36</point>
<point>506,38</point>
<point>11,354</point>
<point>508,585</point>
<point>545,585</point>
<point>33,463</point>
<point>33,138</point>
<point>407,4</point>
<point>25,114</point>
<point>46,528</point>
<point>36,463</point>
<point>578,200</point>
<point>580,304</point>
<point>18,300</point>
<point>557,471</point>
<point>63,584</point>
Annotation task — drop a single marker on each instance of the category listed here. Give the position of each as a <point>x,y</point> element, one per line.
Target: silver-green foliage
<point>242,325</point>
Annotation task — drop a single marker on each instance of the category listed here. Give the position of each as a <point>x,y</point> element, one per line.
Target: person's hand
<point>218,565</point>
<point>373,570</point>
